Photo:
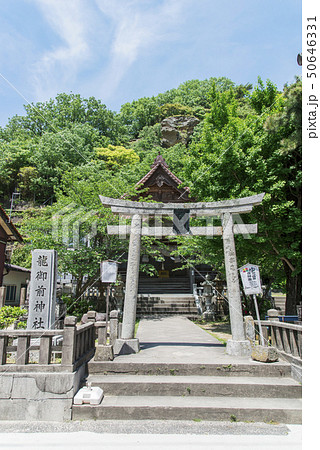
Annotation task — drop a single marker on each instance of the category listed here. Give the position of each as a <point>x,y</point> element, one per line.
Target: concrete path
<point>176,339</point>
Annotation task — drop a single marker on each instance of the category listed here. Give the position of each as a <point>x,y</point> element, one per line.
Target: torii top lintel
<point>238,205</point>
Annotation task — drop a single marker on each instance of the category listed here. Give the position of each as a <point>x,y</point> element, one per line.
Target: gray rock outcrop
<point>177,129</point>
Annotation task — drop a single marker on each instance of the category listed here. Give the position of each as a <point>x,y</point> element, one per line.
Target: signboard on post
<point>250,277</point>
<point>108,271</point>
<point>42,297</point>
<point>108,274</point>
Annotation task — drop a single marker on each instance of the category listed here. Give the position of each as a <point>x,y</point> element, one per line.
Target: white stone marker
<point>42,298</point>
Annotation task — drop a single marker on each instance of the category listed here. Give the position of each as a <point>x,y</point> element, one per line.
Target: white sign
<point>108,271</point>
<point>250,277</point>
<point>42,297</point>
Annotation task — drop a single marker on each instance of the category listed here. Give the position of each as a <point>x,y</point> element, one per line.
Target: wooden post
<point>107,307</point>
<point>261,338</point>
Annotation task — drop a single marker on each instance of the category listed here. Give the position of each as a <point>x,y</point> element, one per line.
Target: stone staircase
<point>182,391</point>
<point>177,285</point>
<point>166,304</point>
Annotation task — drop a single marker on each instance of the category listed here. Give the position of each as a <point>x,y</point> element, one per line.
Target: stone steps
<point>183,373</point>
<point>165,304</point>
<point>156,286</point>
<point>242,392</point>
<point>282,410</point>
<point>201,386</point>
<point>159,309</point>
<point>278,369</point>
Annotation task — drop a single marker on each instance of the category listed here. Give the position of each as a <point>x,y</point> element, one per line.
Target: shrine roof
<point>8,227</point>
<point>159,162</point>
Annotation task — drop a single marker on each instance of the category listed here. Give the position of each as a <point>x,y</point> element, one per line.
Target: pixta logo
<point>74,226</point>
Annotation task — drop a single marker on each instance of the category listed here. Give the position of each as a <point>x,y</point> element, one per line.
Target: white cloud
<point>59,66</point>
<point>138,26</point>
<point>103,37</point>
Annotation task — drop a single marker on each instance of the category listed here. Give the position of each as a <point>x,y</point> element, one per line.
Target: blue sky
<point>121,50</point>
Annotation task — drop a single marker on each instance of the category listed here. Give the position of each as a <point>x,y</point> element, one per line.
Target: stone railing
<point>285,337</point>
<point>53,350</point>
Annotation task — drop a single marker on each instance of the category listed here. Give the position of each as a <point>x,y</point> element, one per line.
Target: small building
<point>161,185</point>
<point>8,234</point>
<point>14,279</point>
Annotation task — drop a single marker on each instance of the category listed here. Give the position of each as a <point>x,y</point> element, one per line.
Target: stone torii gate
<point>181,213</point>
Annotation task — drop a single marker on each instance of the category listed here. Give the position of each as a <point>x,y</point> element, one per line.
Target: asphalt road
<point>149,435</point>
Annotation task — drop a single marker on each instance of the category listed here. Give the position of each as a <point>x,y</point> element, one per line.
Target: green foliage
<point>263,97</point>
<point>117,156</point>
<point>27,181</point>
<point>69,150</point>
<point>149,139</point>
<point>62,112</point>
<point>240,156</point>
<point>9,314</point>
<point>138,114</point>
<point>175,109</point>
<point>79,306</point>
<point>13,156</point>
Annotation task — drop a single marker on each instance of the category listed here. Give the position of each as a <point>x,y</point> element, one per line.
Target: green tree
<point>241,156</point>
<point>116,156</point>
<point>65,111</point>
<point>138,114</point>
<point>58,153</point>
<point>13,156</point>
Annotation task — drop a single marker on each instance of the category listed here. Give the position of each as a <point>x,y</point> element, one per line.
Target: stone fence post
<point>69,341</point>
<point>273,314</point>
<point>114,326</point>
<point>101,332</point>
<point>249,330</point>
<point>91,315</point>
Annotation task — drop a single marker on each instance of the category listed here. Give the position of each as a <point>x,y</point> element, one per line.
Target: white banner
<point>250,277</point>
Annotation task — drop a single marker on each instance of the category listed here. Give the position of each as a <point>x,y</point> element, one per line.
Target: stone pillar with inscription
<point>42,290</point>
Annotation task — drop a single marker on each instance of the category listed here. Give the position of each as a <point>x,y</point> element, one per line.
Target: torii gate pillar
<point>128,344</point>
<point>238,345</point>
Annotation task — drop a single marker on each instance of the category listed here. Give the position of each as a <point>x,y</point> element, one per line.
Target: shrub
<point>9,314</point>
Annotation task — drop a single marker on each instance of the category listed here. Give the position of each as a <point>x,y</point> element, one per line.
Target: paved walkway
<point>176,339</point>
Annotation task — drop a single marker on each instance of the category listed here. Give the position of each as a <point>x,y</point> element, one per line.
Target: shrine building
<point>161,185</point>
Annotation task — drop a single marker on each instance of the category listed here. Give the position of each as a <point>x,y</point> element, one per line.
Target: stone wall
<point>43,396</point>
